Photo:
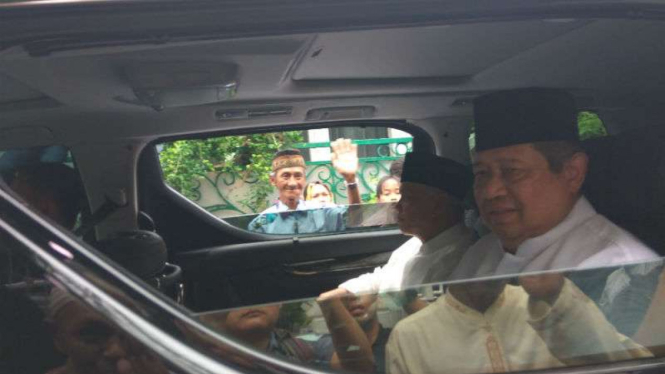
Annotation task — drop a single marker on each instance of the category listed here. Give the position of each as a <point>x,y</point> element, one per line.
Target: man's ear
<point>574,171</point>
<point>438,204</point>
<point>272,178</point>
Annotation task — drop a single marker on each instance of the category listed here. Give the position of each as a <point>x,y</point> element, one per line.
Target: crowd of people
<point>508,303</point>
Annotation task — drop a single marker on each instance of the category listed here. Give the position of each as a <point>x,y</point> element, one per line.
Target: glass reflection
<point>346,346</point>
<point>535,321</point>
<point>91,344</point>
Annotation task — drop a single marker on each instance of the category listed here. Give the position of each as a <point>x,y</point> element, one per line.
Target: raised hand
<point>345,158</point>
<point>543,286</point>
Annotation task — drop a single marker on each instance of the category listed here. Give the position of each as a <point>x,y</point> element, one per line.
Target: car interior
<point>107,104</point>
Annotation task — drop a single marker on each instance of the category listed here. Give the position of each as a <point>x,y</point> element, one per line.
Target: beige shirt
<point>513,334</point>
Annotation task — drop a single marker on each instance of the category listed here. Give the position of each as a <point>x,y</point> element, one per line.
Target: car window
<point>318,181</point>
<point>554,319</point>
<point>66,311</point>
<point>557,319</point>
<point>47,329</point>
<point>545,257</point>
<point>565,319</point>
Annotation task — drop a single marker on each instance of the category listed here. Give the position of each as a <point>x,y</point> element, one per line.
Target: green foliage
<point>246,157</point>
<point>293,317</point>
<point>372,180</point>
<point>590,126</point>
<point>369,198</point>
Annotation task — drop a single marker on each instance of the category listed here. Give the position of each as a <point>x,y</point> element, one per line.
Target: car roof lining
<point>435,51</point>
<point>591,57</point>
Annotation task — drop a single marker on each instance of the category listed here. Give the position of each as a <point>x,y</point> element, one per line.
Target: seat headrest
<point>143,253</point>
<point>626,182</point>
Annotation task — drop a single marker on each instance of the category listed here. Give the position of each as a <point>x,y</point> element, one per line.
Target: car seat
<point>626,182</point>
<point>144,254</point>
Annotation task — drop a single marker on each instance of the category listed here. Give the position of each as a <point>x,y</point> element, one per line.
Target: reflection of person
<point>293,215</point>
<point>256,326</point>
<point>319,192</point>
<point>364,309</point>
<point>353,350</point>
<point>387,190</point>
<point>628,293</point>
<point>92,344</point>
<point>54,190</point>
<point>529,169</point>
<point>431,211</point>
<point>480,327</point>
<point>651,331</point>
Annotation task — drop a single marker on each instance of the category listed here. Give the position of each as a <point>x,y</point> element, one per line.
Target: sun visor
<point>162,85</point>
<point>25,136</point>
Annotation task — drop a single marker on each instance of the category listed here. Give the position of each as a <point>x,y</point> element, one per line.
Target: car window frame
<point>422,141</point>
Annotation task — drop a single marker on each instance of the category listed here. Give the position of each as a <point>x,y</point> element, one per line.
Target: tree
<point>246,157</point>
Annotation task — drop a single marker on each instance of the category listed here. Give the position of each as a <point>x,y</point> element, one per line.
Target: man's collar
<point>281,207</point>
<point>472,315</point>
<point>582,211</point>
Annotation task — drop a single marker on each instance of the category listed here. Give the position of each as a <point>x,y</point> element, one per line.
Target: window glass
<point>295,182</point>
<point>540,321</point>
<point>511,322</point>
<point>46,329</point>
<point>536,321</point>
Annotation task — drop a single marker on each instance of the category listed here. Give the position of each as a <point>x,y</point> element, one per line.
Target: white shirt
<point>416,263</point>
<point>388,276</point>
<point>438,257</point>
<point>513,334</point>
<point>584,239</point>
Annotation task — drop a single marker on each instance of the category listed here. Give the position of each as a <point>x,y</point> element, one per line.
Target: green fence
<point>217,186</point>
<point>371,168</point>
